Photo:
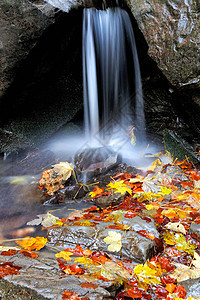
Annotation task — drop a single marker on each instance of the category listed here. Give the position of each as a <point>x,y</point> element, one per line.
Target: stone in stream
<point>95,160</point>
<point>135,247</point>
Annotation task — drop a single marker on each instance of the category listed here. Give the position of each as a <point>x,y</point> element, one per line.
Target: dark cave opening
<point>47,91</point>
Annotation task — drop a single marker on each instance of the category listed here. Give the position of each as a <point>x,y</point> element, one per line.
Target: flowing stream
<point>113,99</point>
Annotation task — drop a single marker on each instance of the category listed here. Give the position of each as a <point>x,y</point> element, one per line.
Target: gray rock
<point>93,161</point>
<point>195,228</point>
<point>171,29</point>
<point>134,246</point>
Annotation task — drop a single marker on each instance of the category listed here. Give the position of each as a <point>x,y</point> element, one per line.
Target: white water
<point>109,53</point>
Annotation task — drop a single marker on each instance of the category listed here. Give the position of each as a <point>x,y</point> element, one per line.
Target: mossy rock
<point>178,147</point>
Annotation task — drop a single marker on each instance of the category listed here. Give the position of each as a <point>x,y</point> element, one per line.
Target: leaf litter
<point>168,193</point>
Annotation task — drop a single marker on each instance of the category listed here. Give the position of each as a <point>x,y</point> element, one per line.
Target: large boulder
<point>171,29</point>
<point>21,25</point>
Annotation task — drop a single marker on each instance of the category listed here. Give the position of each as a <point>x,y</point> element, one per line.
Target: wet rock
<point>45,280</point>
<point>105,201</point>
<point>195,228</point>
<point>192,287</point>
<point>73,192</point>
<point>134,246</point>
<point>22,23</point>
<point>93,161</point>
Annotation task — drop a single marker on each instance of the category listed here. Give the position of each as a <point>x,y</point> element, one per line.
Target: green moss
<point>178,147</point>
<point>16,292</point>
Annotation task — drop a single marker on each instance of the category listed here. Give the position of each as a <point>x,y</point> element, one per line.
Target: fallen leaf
<point>27,253</point>
<point>36,221</point>
<point>64,169</point>
<point>69,295</point>
<point>49,220</point>
<point>196,262</point>
<point>146,274</point>
<point>115,240</point>
<point>31,243</point>
<point>183,272</point>
<point>88,285</point>
<point>96,192</point>
<point>64,254</point>
<point>119,187</point>
<point>155,164</point>
<point>3,248</point>
<point>9,252</point>
<point>178,227</point>
<point>8,268</point>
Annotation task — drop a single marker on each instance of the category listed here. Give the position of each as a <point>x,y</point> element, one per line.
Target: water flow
<point>113,99</point>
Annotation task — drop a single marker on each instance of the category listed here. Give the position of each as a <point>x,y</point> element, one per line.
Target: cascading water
<point>111,104</point>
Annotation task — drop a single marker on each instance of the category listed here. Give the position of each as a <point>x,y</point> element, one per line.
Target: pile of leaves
<point>167,193</point>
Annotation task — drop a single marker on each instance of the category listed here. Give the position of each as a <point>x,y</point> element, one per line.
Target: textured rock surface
<point>21,24</point>
<point>171,29</point>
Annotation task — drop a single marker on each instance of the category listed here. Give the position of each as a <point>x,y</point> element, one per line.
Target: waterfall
<point>113,99</point>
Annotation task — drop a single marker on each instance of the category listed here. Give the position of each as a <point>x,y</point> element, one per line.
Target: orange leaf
<point>89,285</point>
<point>96,192</point>
<point>8,269</point>
<point>31,243</point>
<point>69,295</point>
<point>170,287</point>
<point>10,252</point>
<point>31,254</point>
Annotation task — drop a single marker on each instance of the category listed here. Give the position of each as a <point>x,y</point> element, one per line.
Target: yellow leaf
<point>178,227</point>
<point>119,187</point>
<point>87,262</point>
<point>150,206</point>
<point>31,243</point>
<point>146,274</point>
<point>170,213</point>
<point>64,254</point>
<point>115,240</point>
<point>165,190</point>
<point>154,165</point>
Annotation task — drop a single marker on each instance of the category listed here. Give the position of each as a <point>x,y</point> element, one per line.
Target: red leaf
<point>130,214</point>
<point>8,269</point>
<point>31,254</point>
<point>195,175</point>
<point>134,293</point>
<point>180,291</point>
<point>10,252</point>
<point>186,184</point>
<point>68,295</point>
<point>161,292</point>
<point>168,279</point>
<point>89,285</point>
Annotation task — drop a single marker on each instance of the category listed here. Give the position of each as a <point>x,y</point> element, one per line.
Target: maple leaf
<point>64,254</point>
<point>178,227</point>
<point>96,192</point>
<point>49,220</point>
<point>31,243</point>
<point>179,241</point>
<point>146,274</point>
<point>119,187</point>
<point>8,268</point>
<point>115,240</point>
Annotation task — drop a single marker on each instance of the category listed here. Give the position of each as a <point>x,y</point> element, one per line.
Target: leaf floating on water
<point>31,243</point>
<point>36,221</point>
<point>155,164</point>
<point>115,240</point>
<point>27,253</point>
<point>178,227</point>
